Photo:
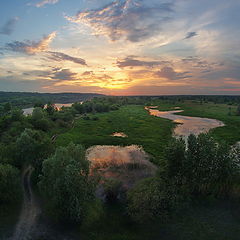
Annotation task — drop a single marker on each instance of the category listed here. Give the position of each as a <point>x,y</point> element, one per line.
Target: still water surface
<point>187,125</point>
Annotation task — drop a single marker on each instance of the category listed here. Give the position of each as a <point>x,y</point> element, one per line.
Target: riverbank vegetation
<point>192,186</point>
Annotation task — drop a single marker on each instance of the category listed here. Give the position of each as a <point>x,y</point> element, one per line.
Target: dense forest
<point>27,99</point>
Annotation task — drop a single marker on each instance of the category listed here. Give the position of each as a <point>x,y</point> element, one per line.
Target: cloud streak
<point>44,2</point>
<point>133,62</point>
<point>58,56</point>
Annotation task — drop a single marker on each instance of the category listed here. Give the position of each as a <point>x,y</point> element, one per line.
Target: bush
<point>65,184</point>
<point>205,167</point>
<point>10,188</point>
<point>152,199</point>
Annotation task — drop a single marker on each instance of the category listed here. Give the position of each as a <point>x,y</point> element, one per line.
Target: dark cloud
<point>58,56</point>
<point>131,19</point>
<point>63,74</point>
<point>202,64</point>
<point>8,27</point>
<point>31,47</point>
<point>133,62</point>
<point>190,35</point>
<point>170,74</point>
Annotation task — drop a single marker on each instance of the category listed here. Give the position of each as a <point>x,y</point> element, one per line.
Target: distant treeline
<point>198,98</point>
<point>25,99</point>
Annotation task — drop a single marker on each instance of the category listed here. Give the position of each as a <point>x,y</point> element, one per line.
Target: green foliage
<point>205,167</point>
<point>65,183</point>
<point>10,188</point>
<point>50,109</point>
<point>32,147</point>
<point>153,199</point>
<point>7,107</point>
<point>238,110</point>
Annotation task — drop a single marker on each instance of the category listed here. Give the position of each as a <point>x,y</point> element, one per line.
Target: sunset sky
<point>125,47</point>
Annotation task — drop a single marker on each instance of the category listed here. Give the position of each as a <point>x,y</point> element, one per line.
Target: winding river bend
<point>186,125</point>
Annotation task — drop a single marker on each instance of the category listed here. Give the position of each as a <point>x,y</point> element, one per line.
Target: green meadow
<point>142,129</point>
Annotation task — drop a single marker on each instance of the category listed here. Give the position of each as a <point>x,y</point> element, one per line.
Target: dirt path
<point>30,209</point>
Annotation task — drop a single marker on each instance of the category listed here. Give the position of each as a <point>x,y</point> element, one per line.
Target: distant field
<point>142,129</point>
<point>225,113</point>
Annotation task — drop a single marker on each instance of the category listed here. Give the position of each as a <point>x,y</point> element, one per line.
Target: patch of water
<point>119,134</point>
<point>187,125</point>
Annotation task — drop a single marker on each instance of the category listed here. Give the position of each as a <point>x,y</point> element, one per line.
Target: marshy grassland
<point>150,132</point>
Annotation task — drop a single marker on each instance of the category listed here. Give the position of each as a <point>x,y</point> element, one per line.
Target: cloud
<point>31,47</point>
<point>170,74</point>
<point>190,35</point>
<point>87,73</point>
<point>129,19</point>
<point>58,56</point>
<point>9,26</point>
<point>63,74</point>
<point>133,62</point>
<point>44,2</point>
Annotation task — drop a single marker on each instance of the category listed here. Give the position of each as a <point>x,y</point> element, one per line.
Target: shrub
<point>10,188</point>
<point>152,198</point>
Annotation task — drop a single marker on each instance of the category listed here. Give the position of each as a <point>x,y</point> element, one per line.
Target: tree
<point>40,120</point>
<point>175,155</point>
<point>37,113</point>
<point>205,167</point>
<point>9,184</point>
<point>39,104</point>
<point>32,147</point>
<point>50,109</point>
<point>65,183</point>
<point>238,110</point>
<point>152,198</point>
<point>7,107</point>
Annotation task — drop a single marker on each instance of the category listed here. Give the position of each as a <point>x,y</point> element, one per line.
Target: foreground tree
<point>10,188</point>
<point>153,198</point>
<point>65,183</point>
<point>32,147</point>
<point>205,167</point>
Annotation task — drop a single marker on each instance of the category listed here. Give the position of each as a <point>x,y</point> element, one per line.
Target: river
<point>186,125</point>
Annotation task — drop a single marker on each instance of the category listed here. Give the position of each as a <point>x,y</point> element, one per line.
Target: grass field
<point>142,129</point>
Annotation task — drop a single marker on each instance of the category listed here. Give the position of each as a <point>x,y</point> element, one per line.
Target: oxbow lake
<point>186,125</point>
